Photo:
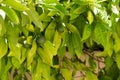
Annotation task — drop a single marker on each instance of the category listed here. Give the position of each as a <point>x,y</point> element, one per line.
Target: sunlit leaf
<point>90,17</point>
<point>16,5</point>
<point>57,40</point>
<point>11,14</point>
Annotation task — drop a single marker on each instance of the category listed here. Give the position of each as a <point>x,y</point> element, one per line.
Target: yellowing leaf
<point>45,56</point>
<point>49,50</point>
<point>66,74</point>
<point>16,5</point>
<point>3,47</point>
<point>57,40</point>
<point>11,14</point>
<point>50,47</point>
<point>50,31</point>
<point>31,53</point>
<point>90,17</point>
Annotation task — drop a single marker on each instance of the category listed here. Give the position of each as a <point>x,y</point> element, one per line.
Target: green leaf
<point>24,53</point>
<point>50,31</point>
<point>100,34</point>
<point>118,59</point>
<point>34,17</point>
<point>109,45</point>
<point>44,17</point>
<point>41,71</point>
<point>8,65</point>
<point>117,27</point>
<point>79,10</point>
<point>108,62</point>
<point>37,73</point>
<point>66,74</point>
<point>61,51</point>
<point>50,1</point>
<point>11,14</point>
<point>57,40</point>
<point>14,46</point>
<point>2,66</point>
<point>15,4</point>
<point>70,46</point>
<point>105,78</point>
<point>83,2</point>
<point>31,53</point>
<point>92,63</point>
<point>77,44</point>
<point>117,44</point>
<point>86,32</point>
<point>49,50</point>
<point>15,62</point>
<point>61,9</point>
<point>73,29</point>
<point>25,19</point>
<point>3,47</point>
<point>46,72</point>
<point>90,76</point>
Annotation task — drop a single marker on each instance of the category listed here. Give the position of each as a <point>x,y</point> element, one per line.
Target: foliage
<point>55,39</point>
